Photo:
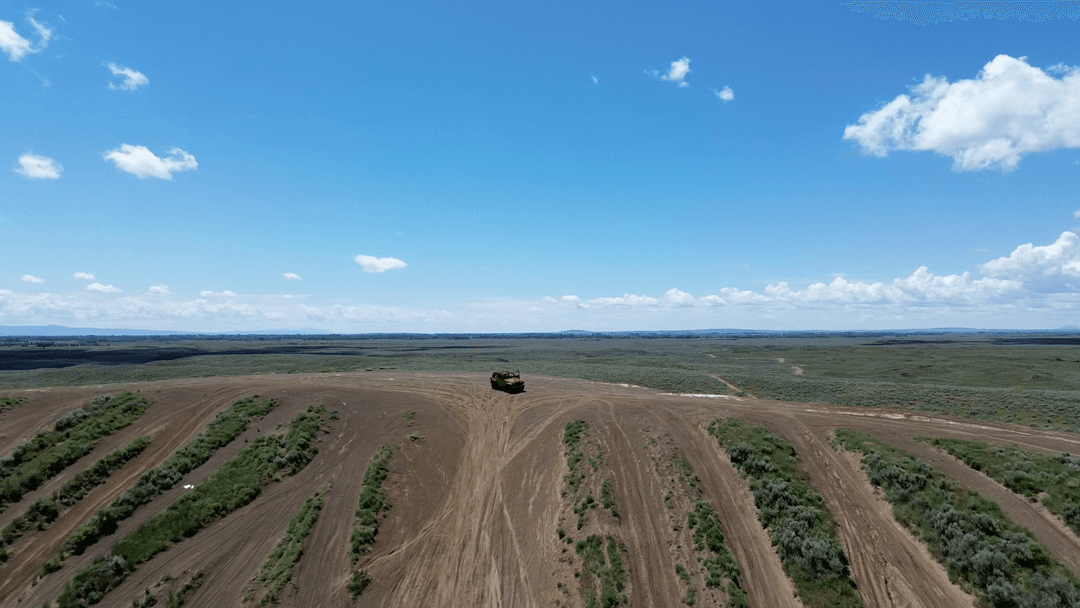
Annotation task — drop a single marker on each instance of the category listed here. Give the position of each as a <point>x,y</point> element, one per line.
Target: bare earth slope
<point>476,491</point>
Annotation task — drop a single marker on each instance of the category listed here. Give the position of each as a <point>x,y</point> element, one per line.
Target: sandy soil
<point>476,492</point>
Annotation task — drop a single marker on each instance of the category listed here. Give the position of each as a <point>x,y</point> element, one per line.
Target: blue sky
<point>408,166</point>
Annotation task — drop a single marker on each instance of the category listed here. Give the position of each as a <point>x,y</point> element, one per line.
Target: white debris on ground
<point>189,487</point>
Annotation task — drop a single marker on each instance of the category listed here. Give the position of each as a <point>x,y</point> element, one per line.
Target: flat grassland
<point>478,516</point>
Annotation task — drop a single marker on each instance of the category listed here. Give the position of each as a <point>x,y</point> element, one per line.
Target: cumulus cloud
<point>1047,268</point>
<point>132,78</point>
<point>160,290</point>
<point>676,73</point>
<point>141,162</point>
<point>1008,110</point>
<point>38,167</point>
<point>84,276</point>
<point>29,278</point>
<point>292,276</point>
<point>217,294</point>
<point>12,43</point>
<point>725,94</point>
<point>98,287</point>
<point>374,264</point>
<point>16,46</point>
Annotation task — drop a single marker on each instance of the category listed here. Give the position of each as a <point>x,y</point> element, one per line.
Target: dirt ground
<point>476,489</point>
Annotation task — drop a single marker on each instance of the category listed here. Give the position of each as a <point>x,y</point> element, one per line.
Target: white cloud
<point>84,276</point>
<point>160,290</point>
<point>217,294</point>
<point>98,287</point>
<point>725,94</point>
<point>676,73</point>
<point>1076,214</point>
<point>594,80</point>
<point>29,278</point>
<point>373,264</point>
<point>292,276</point>
<point>43,32</point>
<point>38,167</point>
<point>12,43</point>
<point>132,79</point>
<point>1010,109</point>
<point>1050,268</point>
<point>141,162</point>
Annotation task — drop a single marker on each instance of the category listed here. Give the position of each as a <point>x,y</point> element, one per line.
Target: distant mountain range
<point>61,330</point>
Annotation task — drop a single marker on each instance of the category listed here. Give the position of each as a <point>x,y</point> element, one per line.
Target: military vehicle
<point>510,382</point>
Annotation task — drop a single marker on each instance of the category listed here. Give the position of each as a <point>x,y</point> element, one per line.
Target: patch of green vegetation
<point>1026,473</point>
<point>1002,563</point>
<point>586,503</point>
<point>357,583</point>
<point>606,500</point>
<point>408,416</point>
<point>599,574</point>
<point>277,570</point>
<point>709,538</point>
<point>73,436</point>
<point>226,426</point>
<point>235,484</point>
<point>572,437</point>
<point>690,598</point>
<point>793,512</point>
<point>6,403</point>
<point>372,502</point>
<point>178,598</point>
<point>46,510</point>
<point>683,573</point>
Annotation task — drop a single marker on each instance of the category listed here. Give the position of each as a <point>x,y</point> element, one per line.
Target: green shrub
<point>358,583</point>
<point>572,437</point>
<point>608,576</point>
<point>74,435</point>
<point>6,403</point>
<point>373,501</point>
<point>277,570</point>
<point>225,427</point>
<point>793,512</point>
<point>236,483</point>
<point>970,535</point>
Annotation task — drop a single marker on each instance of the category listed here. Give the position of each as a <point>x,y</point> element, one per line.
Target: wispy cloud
<point>34,166</point>
<point>292,276</point>
<point>595,80</point>
<point>84,276</point>
<point>676,73</point>
<point>29,278</point>
<point>132,78</point>
<point>98,287</point>
<point>12,43</point>
<point>217,294</point>
<point>981,123</point>
<point>141,162</point>
<point>374,264</point>
<point>160,290</point>
<point>725,94</point>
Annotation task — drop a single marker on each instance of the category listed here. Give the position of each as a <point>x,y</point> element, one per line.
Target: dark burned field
<point>489,499</point>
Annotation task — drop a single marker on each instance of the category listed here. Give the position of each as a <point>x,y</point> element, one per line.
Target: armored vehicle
<point>510,382</point>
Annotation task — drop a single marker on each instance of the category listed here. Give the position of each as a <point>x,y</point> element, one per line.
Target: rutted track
<point>476,492</point>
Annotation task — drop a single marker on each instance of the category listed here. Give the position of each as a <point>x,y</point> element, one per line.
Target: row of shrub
<point>235,484</point>
<point>709,537</point>
<point>1026,473</point>
<point>225,427</point>
<point>277,570</point>
<point>793,512</point>
<point>571,438</point>
<point>45,510</point>
<point>73,436</point>
<point>999,561</point>
<point>6,403</point>
<point>601,574</point>
<point>373,501</point>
